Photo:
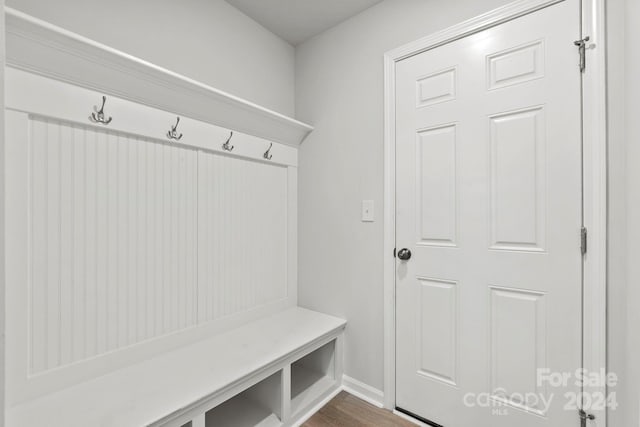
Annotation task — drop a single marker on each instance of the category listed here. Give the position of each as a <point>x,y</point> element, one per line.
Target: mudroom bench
<point>151,254</point>
<point>270,372</point>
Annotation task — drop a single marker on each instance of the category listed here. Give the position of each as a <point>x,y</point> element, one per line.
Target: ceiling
<point>298,20</point>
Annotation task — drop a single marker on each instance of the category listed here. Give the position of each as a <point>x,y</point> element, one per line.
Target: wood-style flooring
<point>346,410</point>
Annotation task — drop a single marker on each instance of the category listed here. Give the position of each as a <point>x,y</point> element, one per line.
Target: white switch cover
<point>367,211</point>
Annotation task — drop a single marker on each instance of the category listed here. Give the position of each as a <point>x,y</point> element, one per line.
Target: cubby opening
<point>312,376</point>
<point>258,406</point>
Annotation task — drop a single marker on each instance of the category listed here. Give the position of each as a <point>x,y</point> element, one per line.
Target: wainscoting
<point>125,244</point>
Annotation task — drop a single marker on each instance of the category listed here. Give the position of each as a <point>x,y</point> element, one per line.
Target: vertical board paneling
<point>52,243</point>
<point>90,210</point>
<point>242,244</point>
<point>66,245</point>
<point>112,252</point>
<point>141,255</point>
<point>131,239</point>
<point>112,244</point>
<point>37,247</point>
<point>101,162</point>
<point>79,243</point>
<point>122,235</point>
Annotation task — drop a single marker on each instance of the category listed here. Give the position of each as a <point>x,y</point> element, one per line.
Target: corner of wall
<point>632,155</point>
<point>2,271</point>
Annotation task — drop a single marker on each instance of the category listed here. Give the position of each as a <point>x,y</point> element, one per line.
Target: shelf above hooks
<point>39,47</point>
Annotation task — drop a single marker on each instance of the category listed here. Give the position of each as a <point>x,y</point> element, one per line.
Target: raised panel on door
<point>437,203</point>
<point>438,319</point>
<point>518,348</point>
<point>518,180</point>
<point>436,87</point>
<point>516,65</point>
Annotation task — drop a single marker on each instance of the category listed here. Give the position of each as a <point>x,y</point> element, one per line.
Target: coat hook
<point>98,116</point>
<point>226,146</point>
<point>267,155</point>
<point>173,133</point>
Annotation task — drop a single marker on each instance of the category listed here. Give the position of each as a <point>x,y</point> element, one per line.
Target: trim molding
<point>490,19</point>
<point>39,47</point>
<point>389,231</point>
<point>363,391</point>
<point>595,202</point>
<point>3,196</point>
<point>594,165</point>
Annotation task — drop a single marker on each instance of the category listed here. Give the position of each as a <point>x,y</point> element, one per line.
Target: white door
<point>489,204</point>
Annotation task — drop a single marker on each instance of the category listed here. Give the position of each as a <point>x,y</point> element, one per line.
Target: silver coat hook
<point>226,146</point>
<point>267,154</point>
<point>173,133</point>
<point>98,116</point>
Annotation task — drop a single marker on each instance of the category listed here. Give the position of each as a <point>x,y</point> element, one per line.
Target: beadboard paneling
<point>242,223</point>
<point>123,245</point>
<point>112,242</point>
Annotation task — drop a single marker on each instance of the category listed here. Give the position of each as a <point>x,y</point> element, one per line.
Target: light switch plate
<point>367,211</point>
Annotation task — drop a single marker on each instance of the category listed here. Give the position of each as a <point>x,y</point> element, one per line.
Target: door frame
<point>594,128</point>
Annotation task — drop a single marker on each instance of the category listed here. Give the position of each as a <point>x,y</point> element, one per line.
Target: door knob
<point>404,254</point>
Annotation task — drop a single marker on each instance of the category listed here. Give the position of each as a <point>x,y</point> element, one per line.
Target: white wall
<point>2,270</point>
<point>632,100</point>
<point>617,245</point>
<point>207,40</point>
<point>623,18</point>
<point>339,89</point>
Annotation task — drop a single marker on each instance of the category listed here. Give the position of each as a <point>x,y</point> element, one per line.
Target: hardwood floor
<point>346,410</point>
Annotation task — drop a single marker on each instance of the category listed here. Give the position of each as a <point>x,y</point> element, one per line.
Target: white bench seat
<point>170,388</point>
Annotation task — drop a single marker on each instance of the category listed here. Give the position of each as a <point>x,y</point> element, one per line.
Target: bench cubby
<point>259,406</point>
<point>311,375</point>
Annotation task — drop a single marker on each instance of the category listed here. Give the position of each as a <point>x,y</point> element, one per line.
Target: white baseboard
<point>363,391</point>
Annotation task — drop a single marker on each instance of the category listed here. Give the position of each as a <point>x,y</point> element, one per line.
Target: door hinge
<point>582,48</point>
<point>584,417</point>
<point>583,240</point>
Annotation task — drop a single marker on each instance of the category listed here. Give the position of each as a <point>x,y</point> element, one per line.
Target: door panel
<point>436,181</point>
<point>488,151</point>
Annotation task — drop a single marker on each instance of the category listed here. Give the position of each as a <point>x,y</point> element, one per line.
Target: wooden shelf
<point>39,47</point>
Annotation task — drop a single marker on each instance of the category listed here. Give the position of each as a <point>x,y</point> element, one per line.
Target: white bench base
<point>270,372</point>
